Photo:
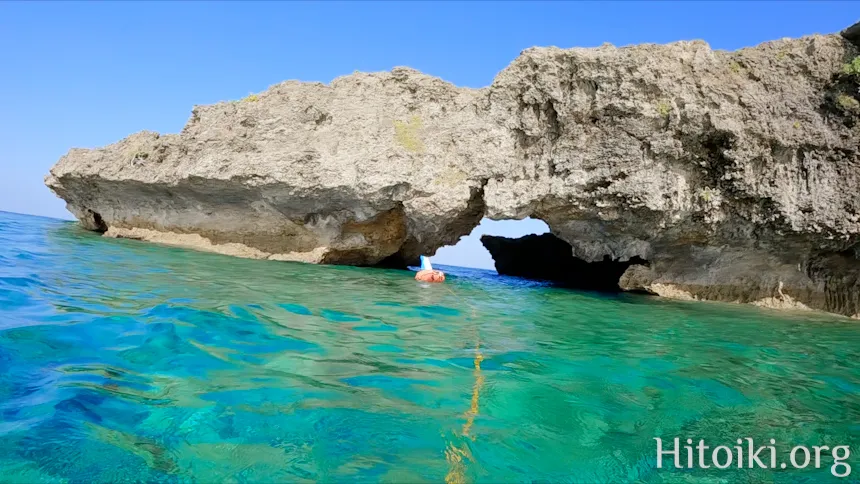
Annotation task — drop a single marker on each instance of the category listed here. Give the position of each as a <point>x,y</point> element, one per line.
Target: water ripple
<point>125,361</point>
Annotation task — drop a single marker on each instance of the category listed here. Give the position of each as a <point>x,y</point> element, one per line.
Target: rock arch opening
<point>526,248</point>
<point>548,258</point>
<point>470,252</point>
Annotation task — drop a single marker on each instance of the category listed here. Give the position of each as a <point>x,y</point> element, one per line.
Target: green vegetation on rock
<point>707,194</point>
<point>406,133</point>
<point>852,68</point>
<point>848,103</point>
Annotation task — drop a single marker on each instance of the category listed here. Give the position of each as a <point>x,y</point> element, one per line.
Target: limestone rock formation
<point>852,33</point>
<point>734,174</point>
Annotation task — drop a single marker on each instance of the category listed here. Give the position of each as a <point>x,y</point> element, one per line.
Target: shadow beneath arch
<point>548,258</point>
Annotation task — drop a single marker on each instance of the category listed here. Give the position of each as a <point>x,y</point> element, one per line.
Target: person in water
<point>427,273</point>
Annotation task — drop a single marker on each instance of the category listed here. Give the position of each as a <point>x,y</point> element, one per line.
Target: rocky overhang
<point>736,175</point>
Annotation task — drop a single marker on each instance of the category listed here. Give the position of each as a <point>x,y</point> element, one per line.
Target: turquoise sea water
<point>133,362</point>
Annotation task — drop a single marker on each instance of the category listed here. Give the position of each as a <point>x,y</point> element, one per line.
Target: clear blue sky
<point>89,74</point>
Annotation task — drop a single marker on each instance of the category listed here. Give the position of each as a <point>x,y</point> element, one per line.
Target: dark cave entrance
<point>546,257</point>
<point>94,221</point>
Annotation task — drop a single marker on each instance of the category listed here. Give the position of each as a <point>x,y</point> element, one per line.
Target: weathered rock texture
<point>546,257</point>
<point>735,174</point>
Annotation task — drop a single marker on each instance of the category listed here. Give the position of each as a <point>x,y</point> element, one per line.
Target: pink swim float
<point>430,276</point>
<point>427,273</point>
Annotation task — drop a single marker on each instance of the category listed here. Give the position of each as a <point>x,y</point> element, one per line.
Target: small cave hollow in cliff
<point>546,257</point>
<point>94,221</point>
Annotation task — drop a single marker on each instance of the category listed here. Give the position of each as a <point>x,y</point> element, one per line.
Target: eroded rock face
<point>348,173</point>
<point>735,175</point>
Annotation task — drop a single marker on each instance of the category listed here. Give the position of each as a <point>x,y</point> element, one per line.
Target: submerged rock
<point>734,174</point>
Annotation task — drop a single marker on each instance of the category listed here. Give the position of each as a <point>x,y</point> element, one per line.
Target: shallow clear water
<point>127,361</point>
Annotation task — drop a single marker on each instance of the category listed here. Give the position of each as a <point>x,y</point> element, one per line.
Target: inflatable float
<point>427,273</point>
